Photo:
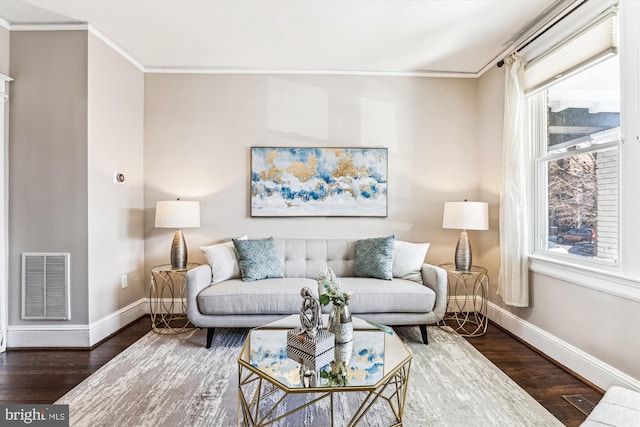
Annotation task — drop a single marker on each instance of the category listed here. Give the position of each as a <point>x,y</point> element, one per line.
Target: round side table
<point>167,299</point>
<point>467,300</point>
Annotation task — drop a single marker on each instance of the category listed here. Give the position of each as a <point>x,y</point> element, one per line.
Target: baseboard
<point>85,336</point>
<point>176,304</point>
<point>583,364</point>
<point>106,326</point>
<point>463,303</point>
<point>38,336</point>
<point>74,336</point>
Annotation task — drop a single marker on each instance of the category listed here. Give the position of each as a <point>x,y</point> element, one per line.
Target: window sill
<point>611,283</point>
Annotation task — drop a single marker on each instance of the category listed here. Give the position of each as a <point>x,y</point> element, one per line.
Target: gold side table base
<point>167,301</point>
<point>255,410</point>
<point>467,301</point>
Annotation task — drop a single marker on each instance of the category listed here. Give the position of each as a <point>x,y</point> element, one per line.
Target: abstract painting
<point>318,181</point>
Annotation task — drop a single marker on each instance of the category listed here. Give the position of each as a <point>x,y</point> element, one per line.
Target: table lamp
<point>178,214</point>
<point>465,216</point>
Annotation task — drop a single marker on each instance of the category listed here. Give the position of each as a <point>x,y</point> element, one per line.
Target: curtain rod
<point>528,42</point>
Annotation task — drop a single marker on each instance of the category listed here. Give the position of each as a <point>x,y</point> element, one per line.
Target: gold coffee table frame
<point>255,386</point>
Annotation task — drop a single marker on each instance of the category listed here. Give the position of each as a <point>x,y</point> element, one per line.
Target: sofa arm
<point>436,278</point>
<point>197,279</point>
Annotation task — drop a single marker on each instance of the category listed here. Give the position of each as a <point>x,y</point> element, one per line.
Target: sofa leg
<point>423,331</point>
<point>210,332</point>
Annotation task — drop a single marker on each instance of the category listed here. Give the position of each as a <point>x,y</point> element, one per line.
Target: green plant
<point>337,375</point>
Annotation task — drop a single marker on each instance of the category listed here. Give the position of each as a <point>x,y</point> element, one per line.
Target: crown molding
<point>555,12</point>
<point>80,26</point>
<point>227,70</point>
<point>224,70</point>
<point>231,70</point>
<point>113,45</point>
<point>69,26</point>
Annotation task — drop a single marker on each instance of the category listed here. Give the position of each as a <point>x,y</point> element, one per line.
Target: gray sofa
<point>236,304</point>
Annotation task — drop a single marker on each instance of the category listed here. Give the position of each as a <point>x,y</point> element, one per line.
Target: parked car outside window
<point>576,235</point>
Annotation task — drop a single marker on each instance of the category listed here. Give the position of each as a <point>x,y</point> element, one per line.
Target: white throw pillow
<point>408,259</point>
<point>223,260</point>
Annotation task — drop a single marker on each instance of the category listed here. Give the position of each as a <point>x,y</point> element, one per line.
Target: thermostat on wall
<point>118,178</point>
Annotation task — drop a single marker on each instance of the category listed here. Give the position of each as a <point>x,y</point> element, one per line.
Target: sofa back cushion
<point>306,257</point>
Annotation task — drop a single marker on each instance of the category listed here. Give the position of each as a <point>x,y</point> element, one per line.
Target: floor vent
<point>45,286</point>
<point>579,402</point>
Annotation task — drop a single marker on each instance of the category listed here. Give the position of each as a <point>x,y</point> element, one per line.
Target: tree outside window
<point>579,158</point>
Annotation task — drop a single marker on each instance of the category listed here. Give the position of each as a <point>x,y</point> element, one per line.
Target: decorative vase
<point>343,352</point>
<point>340,323</point>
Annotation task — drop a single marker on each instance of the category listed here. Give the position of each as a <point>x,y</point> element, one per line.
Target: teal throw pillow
<point>258,259</point>
<point>374,258</point>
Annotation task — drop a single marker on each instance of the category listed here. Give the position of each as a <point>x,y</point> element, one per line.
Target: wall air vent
<point>45,286</point>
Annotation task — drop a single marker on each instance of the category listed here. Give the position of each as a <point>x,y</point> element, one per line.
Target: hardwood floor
<point>43,376</point>
<point>542,379</point>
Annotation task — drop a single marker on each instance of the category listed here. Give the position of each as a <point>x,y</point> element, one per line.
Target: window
<point>584,130</point>
<point>576,168</point>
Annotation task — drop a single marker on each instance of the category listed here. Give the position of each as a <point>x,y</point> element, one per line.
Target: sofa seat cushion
<point>388,296</point>
<point>269,296</point>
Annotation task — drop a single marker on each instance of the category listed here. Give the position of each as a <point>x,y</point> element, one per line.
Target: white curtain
<point>513,282</point>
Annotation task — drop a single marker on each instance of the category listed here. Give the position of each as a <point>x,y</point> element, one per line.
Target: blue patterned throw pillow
<point>374,258</point>
<point>258,259</point>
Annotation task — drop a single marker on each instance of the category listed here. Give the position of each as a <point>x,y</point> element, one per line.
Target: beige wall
<point>76,117</point>
<point>604,326</point>
<point>115,143</point>
<point>48,158</point>
<point>489,110</point>
<point>199,130</point>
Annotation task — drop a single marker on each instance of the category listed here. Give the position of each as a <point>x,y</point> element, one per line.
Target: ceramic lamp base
<point>178,251</point>
<point>463,253</point>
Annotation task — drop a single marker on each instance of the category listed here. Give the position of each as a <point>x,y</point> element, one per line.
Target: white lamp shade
<point>466,215</point>
<point>177,214</point>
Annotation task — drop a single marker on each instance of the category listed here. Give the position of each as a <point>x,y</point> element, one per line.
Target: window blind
<point>596,42</point>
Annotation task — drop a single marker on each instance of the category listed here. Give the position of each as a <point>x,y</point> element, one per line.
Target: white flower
<point>332,287</point>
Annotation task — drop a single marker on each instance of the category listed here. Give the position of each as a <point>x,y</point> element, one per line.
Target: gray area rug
<point>174,381</point>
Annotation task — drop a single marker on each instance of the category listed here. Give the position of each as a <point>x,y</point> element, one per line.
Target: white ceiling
<point>396,36</point>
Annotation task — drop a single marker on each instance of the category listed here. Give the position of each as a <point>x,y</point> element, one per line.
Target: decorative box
<point>308,361</point>
<point>323,341</point>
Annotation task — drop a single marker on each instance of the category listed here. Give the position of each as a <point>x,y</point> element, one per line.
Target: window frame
<point>623,277</point>
<point>537,106</point>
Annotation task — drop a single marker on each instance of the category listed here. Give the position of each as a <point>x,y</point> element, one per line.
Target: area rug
<point>174,381</point>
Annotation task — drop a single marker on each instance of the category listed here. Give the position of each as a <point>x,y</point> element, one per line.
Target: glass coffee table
<point>374,367</point>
